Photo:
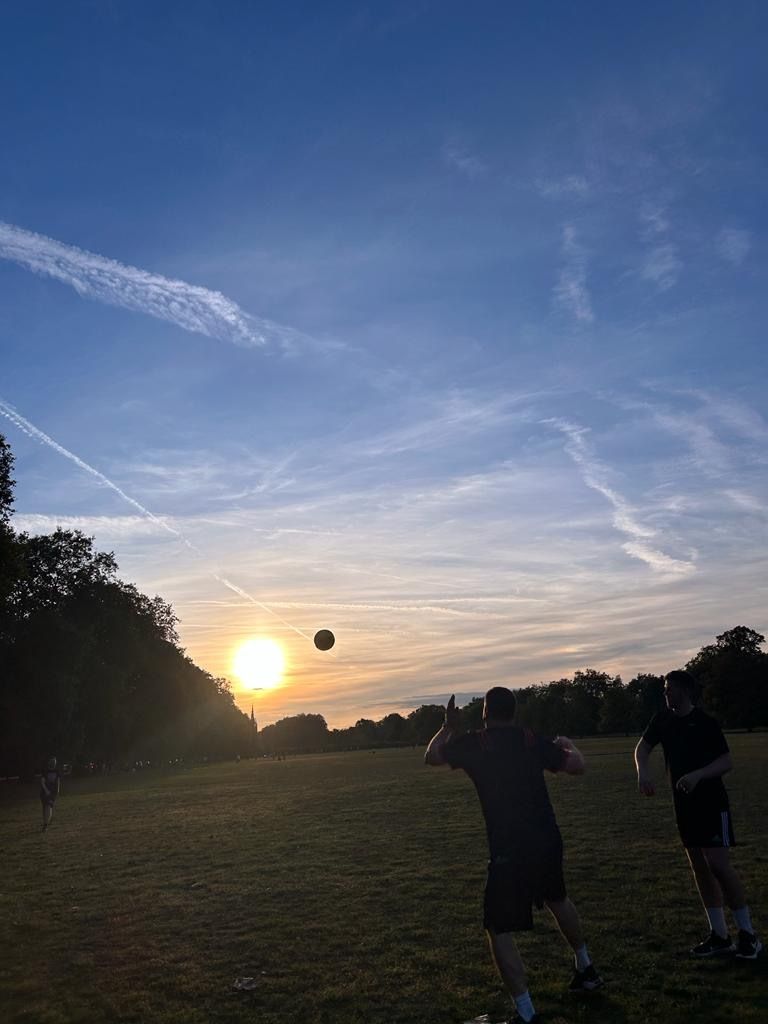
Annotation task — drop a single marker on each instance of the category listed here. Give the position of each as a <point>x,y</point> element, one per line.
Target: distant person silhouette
<point>697,756</point>
<point>50,787</point>
<point>506,763</point>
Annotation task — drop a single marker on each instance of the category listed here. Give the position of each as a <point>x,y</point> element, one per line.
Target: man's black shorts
<point>518,882</point>
<point>703,826</point>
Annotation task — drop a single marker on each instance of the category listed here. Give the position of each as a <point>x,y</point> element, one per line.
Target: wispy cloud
<point>733,244</point>
<point>662,266</point>
<point>572,186</point>
<point>192,307</point>
<point>455,415</point>
<point>662,263</point>
<point>653,218</point>
<point>122,527</point>
<point>708,454</point>
<point>571,290</point>
<point>594,475</point>
<point>37,434</point>
<point>457,156</point>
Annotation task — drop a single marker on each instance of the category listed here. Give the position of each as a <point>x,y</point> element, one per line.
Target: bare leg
<point>720,866</point>
<point>567,918</point>
<point>508,962</point>
<point>709,889</point>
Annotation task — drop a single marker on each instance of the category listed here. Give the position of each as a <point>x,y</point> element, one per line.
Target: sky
<point>440,325</point>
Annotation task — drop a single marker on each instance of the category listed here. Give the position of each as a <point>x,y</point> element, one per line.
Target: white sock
<point>717,923</point>
<point>743,920</point>
<point>582,958</point>
<point>525,1006</point>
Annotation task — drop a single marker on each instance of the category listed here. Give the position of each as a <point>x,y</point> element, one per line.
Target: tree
<point>585,698</point>
<point>393,729</point>
<point>425,722</point>
<point>647,692</point>
<point>9,548</point>
<point>618,712</point>
<point>472,714</point>
<point>365,733</point>
<point>734,674</point>
<point>55,567</point>
<point>7,483</point>
<point>297,734</point>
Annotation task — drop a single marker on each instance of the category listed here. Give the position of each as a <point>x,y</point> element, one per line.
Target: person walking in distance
<point>50,787</point>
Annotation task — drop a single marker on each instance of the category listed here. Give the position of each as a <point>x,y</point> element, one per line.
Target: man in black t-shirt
<point>697,757</point>
<point>506,765</point>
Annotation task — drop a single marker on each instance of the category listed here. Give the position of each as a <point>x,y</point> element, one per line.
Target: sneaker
<point>748,946</point>
<point>587,980</point>
<point>715,945</point>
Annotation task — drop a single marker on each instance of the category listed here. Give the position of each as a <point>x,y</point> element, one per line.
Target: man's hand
<point>435,749</point>
<point>645,785</point>
<point>688,783</point>
<point>452,715</point>
<point>573,763</point>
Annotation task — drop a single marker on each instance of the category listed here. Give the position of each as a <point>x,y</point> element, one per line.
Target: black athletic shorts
<point>517,883</point>
<point>703,826</point>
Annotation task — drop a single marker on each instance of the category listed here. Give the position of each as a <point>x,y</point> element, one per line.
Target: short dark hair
<point>500,703</point>
<point>688,683</point>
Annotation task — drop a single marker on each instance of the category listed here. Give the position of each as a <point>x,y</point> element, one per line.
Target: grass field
<point>350,886</point>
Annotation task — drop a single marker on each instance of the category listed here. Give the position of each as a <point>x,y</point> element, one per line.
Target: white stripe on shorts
<point>724,823</point>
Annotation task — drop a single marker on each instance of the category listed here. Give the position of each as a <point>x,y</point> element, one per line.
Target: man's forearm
<point>435,749</point>
<point>642,760</point>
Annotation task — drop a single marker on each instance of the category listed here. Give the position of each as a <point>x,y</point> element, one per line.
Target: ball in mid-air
<point>324,640</point>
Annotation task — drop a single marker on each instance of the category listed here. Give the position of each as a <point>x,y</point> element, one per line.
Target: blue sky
<point>440,325</point>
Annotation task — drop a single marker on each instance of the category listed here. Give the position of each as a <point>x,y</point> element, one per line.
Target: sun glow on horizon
<point>259,663</point>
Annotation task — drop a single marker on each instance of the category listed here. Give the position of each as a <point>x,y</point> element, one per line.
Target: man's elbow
<point>574,764</point>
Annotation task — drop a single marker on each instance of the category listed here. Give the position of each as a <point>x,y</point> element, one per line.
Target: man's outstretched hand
<point>645,786</point>
<point>452,714</point>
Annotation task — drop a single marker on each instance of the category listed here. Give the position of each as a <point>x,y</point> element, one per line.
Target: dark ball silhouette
<point>324,640</point>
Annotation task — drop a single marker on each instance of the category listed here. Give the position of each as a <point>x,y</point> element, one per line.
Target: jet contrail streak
<point>98,277</point>
<point>594,476</point>
<point>38,435</point>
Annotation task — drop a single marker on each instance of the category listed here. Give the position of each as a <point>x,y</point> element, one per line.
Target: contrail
<point>593,474</point>
<point>38,435</point>
<point>189,306</point>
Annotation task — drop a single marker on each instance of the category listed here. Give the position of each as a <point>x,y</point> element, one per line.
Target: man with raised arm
<point>525,868</point>
<point>697,757</point>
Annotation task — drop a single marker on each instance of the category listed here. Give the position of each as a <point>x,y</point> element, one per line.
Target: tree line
<point>733,672</point>
<point>92,670</point>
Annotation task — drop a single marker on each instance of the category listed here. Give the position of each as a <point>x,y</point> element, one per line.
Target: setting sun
<point>258,663</point>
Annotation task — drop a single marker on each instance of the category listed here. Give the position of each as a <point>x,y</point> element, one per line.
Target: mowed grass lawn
<point>350,887</point>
